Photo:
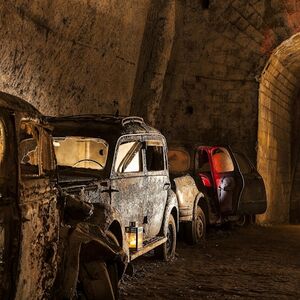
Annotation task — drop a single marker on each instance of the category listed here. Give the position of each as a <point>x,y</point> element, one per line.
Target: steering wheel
<point>90,160</point>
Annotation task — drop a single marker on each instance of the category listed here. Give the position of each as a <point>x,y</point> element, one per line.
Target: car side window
<point>222,160</point>
<point>129,157</point>
<point>29,149</point>
<point>155,160</point>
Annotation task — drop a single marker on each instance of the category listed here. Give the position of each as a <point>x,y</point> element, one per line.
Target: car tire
<point>166,251</point>
<point>245,220</point>
<point>95,282</point>
<point>99,279</point>
<point>113,268</point>
<point>195,231</point>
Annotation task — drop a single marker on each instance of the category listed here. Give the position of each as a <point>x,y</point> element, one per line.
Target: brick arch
<point>279,87</point>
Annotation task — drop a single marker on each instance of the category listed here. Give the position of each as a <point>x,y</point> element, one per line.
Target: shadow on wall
<point>70,57</point>
<point>279,87</point>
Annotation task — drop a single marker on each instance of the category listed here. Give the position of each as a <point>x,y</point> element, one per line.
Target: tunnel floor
<point>241,263</point>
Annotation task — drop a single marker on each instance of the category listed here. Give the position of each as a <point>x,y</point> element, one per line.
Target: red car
<point>233,188</point>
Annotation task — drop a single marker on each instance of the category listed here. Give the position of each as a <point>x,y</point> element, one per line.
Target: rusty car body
<point>41,252</point>
<point>233,189</point>
<point>120,165</point>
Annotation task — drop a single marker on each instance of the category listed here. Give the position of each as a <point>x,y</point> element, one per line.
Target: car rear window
<point>81,152</point>
<point>244,164</point>
<point>179,160</point>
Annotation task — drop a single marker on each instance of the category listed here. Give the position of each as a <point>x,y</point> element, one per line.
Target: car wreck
<point>119,164</point>
<point>48,250</point>
<point>232,188</point>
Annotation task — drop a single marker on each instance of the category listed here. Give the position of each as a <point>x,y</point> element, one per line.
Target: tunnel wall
<point>277,92</point>
<point>197,80</point>
<point>212,82</point>
<point>295,172</point>
<point>71,56</point>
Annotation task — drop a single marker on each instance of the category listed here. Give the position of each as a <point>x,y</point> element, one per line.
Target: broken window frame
<point>42,137</point>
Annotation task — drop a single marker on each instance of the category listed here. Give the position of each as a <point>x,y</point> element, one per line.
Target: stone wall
<point>190,67</point>
<point>211,90</point>
<point>277,89</point>
<point>71,56</point>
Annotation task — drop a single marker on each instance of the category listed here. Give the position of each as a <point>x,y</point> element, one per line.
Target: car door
<point>128,186</point>
<point>253,198</point>
<point>9,217</point>
<point>39,212</point>
<point>228,181</point>
<point>203,173</point>
<point>158,184</point>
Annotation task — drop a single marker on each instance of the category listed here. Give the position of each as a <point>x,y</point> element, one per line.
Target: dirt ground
<point>242,263</point>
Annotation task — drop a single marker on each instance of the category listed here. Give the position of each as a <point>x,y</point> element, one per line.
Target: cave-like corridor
<point>140,131</point>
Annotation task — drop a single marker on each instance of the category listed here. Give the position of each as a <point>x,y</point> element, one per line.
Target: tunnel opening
<point>278,149</point>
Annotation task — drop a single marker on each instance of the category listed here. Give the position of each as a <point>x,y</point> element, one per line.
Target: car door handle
<point>167,186</point>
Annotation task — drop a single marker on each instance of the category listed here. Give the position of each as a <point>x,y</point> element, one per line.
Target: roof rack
<point>132,119</point>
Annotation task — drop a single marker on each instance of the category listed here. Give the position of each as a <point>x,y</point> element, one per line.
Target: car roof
<point>96,124</point>
<point>17,104</point>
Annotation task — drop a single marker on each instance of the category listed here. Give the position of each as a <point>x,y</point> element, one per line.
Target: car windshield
<point>81,152</point>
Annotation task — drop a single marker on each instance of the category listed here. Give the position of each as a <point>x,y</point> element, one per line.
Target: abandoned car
<point>120,165</point>
<point>46,251</point>
<point>232,187</point>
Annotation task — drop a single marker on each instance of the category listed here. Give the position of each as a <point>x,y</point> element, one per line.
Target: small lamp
<point>134,236</point>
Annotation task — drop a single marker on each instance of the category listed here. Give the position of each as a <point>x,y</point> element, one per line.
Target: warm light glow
<point>134,237</point>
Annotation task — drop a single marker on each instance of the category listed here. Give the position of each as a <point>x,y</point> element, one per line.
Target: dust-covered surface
<point>247,263</point>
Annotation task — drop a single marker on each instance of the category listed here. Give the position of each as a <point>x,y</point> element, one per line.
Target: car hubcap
<point>241,221</point>
<point>169,242</point>
<point>199,227</point>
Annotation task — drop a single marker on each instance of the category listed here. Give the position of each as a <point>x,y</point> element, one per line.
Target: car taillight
<point>205,180</point>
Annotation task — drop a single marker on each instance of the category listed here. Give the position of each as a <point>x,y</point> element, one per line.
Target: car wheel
<point>196,230</point>
<point>113,268</point>
<point>241,221</point>
<point>245,220</point>
<point>98,279</point>
<point>94,281</point>
<point>166,251</point>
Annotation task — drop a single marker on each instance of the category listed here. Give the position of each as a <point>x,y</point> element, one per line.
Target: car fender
<point>104,216</point>
<point>202,201</point>
<point>90,238</point>
<point>187,194</point>
<point>171,205</point>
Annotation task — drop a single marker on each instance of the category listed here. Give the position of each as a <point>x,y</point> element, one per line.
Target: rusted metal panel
<point>39,240</point>
<point>120,197</point>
